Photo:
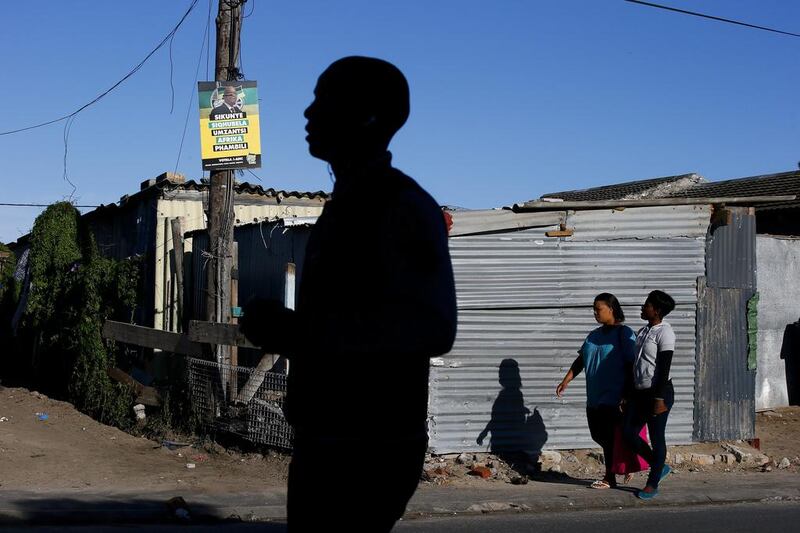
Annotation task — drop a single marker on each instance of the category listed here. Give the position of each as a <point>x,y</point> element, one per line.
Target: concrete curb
<point>26,508</point>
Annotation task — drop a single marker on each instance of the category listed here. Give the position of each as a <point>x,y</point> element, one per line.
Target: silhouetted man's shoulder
<point>409,195</point>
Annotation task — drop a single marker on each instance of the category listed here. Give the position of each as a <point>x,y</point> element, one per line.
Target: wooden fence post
<point>177,256</point>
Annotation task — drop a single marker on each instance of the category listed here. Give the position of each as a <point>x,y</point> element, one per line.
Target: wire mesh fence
<point>244,401</point>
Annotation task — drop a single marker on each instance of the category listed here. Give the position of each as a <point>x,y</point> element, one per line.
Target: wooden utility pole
<point>221,191</point>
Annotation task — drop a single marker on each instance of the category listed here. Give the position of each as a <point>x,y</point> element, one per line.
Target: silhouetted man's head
<point>359,104</point>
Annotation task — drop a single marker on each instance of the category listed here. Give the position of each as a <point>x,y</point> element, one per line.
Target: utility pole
<point>221,191</point>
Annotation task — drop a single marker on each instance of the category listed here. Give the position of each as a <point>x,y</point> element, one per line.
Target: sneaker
<point>642,495</point>
<point>664,473</point>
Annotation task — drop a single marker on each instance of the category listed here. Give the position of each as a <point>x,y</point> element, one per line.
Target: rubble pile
<point>520,468</point>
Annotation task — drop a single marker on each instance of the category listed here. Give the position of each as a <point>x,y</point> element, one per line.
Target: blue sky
<point>511,99</point>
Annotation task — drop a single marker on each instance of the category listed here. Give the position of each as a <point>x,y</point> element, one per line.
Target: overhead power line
<point>720,19</point>
<point>3,204</point>
<point>203,48</point>
<point>117,84</point>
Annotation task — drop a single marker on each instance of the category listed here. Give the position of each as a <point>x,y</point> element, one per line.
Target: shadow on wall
<point>517,434</point>
<point>790,353</point>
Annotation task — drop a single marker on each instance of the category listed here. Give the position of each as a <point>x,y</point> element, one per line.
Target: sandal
<point>601,484</point>
<point>627,479</point>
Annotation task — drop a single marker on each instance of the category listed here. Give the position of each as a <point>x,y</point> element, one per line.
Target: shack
<point>778,280</point>
<point>525,281</point>
<point>145,224</point>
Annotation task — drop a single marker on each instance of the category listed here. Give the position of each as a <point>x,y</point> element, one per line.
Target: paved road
<point>733,518</point>
<point>761,517</point>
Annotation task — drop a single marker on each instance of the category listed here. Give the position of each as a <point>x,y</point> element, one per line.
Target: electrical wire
<point>208,41</point>
<point>203,43</point>
<point>67,129</point>
<point>720,19</point>
<point>133,71</point>
<point>251,9</point>
<point>233,41</point>
<point>171,71</point>
<point>11,204</point>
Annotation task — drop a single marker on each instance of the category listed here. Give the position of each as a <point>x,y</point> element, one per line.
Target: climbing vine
<point>9,292</point>
<point>6,272</point>
<point>72,291</point>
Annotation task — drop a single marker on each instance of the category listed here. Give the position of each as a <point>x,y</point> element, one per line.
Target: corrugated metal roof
<point>168,182</point>
<point>241,188</point>
<point>628,190</point>
<point>167,186</point>
<point>781,183</point>
<point>694,186</point>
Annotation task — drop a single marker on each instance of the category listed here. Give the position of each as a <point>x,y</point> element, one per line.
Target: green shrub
<point>73,290</point>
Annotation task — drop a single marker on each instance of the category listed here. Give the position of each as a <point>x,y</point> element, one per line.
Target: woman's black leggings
<point>638,412</point>
<point>602,421</point>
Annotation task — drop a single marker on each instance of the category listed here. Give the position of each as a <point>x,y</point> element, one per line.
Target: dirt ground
<point>71,451</point>
<point>67,450</point>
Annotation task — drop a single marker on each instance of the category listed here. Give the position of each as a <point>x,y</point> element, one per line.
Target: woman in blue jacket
<point>606,357</point>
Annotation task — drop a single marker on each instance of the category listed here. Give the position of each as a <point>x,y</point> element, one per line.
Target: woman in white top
<point>653,395</point>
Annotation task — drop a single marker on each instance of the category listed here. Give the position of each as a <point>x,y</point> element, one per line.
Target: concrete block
<point>702,459</point>
<point>550,457</point>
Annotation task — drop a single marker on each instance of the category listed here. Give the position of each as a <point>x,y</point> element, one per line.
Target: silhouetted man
<point>376,301</point>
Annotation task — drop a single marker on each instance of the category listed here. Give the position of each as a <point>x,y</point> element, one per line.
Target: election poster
<point>229,129</point>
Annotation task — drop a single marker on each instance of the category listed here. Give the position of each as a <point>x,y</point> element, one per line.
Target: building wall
<point>264,251</point>
<point>725,385</point>
<point>778,306</point>
<point>525,307</point>
<point>126,231</point>
<point>191,211</point>
<point>724,409</point>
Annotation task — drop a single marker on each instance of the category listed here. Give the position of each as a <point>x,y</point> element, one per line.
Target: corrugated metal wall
<point>731,251</point>
<point>188,205</point>
<point>527,298</point>
<point>264,250</point>
<point>725,406</point>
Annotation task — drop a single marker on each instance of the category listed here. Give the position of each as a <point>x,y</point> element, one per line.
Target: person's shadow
<point>517,434</point>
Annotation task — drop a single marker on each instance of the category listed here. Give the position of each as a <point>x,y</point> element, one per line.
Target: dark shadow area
<point>96,513</point>
<point>790,353</point>
<point>517,433</point>
<point>559,478</point>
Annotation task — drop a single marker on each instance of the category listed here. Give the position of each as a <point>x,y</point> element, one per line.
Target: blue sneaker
<point>664,473</point>
<point>642,495</point>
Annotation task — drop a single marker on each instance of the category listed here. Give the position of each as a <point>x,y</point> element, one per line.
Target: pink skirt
<point>625,460</point>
